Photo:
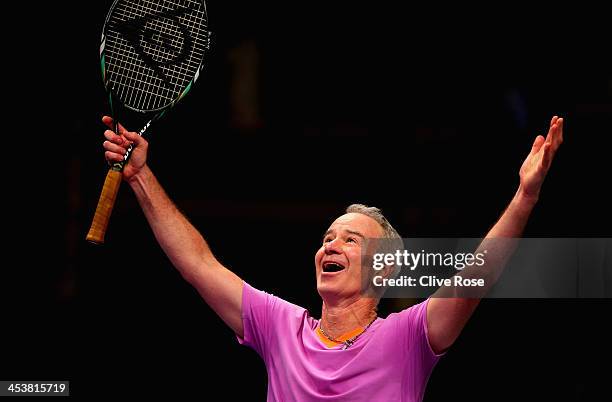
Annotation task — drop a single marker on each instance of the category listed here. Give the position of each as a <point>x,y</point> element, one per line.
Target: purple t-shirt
<point>391,361</point>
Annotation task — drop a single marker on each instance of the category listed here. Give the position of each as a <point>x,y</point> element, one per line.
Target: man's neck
<point>339,318</point>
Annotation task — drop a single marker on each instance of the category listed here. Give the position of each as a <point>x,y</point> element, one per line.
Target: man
<point>350,354</point>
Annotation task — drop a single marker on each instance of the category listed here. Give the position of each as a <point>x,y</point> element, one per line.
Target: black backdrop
<point>426,112</point>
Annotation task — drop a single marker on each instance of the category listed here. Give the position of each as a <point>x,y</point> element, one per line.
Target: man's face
<point>338,261</point>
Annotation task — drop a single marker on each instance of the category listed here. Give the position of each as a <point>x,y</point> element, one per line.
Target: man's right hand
<point>116,146</point>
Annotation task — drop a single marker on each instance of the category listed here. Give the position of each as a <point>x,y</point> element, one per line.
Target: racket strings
<point>153,50</point>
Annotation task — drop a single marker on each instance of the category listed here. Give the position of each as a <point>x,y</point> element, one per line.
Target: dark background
<point>426,112</point>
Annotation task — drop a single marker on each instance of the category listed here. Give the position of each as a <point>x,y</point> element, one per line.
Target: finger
<point>113,157</point>
<point>116,139</point>
<point>551,130</point>
<point>537,144</point>
<point>108,121</point>
<point>557,136</point>
<point>547,155</point>
<point>553,120</point>
<point>110,124</point>
<point>560,125</point>
<point>109,146</point>
<point>135,138</point>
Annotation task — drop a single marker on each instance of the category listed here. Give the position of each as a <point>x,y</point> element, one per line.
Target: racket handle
<point>105,207</point>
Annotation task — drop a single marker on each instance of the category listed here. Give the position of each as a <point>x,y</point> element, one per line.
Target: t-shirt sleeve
<point>419,358</point>
<point>255,307</point>
<point>263,317</point>
<point>413,323</point>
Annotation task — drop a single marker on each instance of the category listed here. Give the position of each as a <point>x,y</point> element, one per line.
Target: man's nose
<point>332,247</point>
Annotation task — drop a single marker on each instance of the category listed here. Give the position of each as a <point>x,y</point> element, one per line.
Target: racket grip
<point>105,207</point>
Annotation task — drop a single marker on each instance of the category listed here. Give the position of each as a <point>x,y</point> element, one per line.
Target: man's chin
<point>327,289</point>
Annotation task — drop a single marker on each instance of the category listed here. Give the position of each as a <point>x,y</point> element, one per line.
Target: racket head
<point>152,51</point>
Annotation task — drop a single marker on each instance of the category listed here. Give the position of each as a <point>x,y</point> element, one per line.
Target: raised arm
<point>446,316</point>
<point>182,243</point>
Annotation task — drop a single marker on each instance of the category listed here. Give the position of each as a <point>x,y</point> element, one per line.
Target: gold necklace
<point>349,342</point>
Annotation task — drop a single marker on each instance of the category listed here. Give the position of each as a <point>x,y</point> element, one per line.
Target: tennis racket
<point>151,53</point>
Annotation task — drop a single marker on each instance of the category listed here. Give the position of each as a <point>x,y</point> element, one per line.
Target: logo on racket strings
<point>159,39</point>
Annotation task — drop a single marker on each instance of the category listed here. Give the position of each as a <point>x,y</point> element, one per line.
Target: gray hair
<point>377,215</point>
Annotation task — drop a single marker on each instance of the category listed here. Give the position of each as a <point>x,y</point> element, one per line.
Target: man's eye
<point>327,240</point>
<point>351,240</point>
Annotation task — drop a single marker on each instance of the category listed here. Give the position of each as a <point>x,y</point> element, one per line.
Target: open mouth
<point>332,267</point>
